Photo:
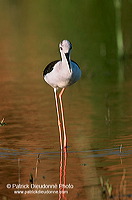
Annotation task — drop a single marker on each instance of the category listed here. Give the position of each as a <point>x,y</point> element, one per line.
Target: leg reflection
<point>63,163</point>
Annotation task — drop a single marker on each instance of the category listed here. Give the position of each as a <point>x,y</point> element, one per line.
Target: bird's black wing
<point>75,63</point>
<point>49,67</point>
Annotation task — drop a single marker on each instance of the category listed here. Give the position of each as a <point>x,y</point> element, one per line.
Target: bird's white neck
<point>66,59</point>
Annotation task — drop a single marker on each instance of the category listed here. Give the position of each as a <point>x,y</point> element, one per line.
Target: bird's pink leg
<point>62,115</point>
<point>58,116</point>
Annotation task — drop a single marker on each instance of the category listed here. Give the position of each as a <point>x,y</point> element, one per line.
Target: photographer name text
<point>39,186</point>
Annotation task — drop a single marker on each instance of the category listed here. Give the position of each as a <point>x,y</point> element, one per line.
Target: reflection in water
<point>63,163</point>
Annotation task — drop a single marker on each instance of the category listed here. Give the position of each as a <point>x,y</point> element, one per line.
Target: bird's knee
<point>59,123</point>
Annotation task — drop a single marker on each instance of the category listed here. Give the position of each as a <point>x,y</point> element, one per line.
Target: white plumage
<point>60,74</point>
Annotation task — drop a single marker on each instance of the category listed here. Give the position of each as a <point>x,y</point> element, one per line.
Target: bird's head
<point>65,46</point>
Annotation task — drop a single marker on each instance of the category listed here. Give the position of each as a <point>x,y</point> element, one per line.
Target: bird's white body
<point>64,72</point>
<point>61,76</point>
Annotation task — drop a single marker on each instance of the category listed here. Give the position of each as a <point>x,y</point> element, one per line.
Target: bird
<point>60,74</point>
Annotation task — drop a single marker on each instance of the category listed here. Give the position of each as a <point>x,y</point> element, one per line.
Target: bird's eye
<point>60,48</point>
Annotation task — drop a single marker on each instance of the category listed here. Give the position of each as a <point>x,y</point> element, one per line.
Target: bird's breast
<point>62,76</point>
<point>59,76</point>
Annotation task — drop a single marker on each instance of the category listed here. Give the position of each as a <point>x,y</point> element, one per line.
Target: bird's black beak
<point>67,56</point>
<point>68,59</point>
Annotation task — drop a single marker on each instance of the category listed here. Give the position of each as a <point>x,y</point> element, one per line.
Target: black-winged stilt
<point>60,74</point>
